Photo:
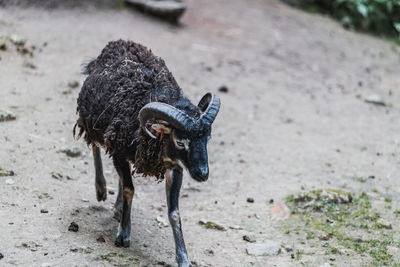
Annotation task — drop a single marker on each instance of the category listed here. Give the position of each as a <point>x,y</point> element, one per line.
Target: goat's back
<point>121,80</point>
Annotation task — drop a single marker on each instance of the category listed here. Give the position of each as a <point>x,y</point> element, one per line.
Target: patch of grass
<point>299,254</point>
<point>361,179</point>
<point>388,199</point>
<point>344,228</point>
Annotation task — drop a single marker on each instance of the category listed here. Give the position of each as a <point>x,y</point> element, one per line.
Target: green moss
<point>387,199</point>
<point>361,179</point>
<point>348,228</point>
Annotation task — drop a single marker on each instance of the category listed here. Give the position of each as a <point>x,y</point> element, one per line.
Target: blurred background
<point>304,159</point>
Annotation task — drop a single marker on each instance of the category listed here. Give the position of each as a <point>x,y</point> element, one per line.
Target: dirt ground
<point>294,115</point>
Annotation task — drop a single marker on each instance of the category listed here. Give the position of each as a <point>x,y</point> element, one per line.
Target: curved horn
<point>168,113</point>
<point>209,105</point>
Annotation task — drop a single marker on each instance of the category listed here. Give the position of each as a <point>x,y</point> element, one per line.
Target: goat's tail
<point>88,67</point>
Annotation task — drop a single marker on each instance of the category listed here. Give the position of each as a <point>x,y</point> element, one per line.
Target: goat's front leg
<point>124,230</point>
<point>173,186</point>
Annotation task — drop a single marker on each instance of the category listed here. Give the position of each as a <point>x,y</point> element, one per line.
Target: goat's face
<point>188,136</point>
<point>190,150</point>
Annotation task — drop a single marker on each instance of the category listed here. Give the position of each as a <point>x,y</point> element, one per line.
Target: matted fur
<point>121,80</point>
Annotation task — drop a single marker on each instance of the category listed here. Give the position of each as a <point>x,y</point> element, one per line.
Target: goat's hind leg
<point>124,230</point>
<point>100,183</point>
<point>118,203</point>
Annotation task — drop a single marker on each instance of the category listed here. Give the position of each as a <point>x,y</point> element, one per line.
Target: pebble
<point>288,248</point>
<point>4,172</point>
<point>223,89</point>
<point>1,256</point>
<point>3,45</point>
<point>249,239</point>
<point>6,115</point>
<point>73,227</point>
<point>9,181</point>
<point>111,192</point>
<point>17,40</point>
<point>44,211</point>
<point>375,99</point>
<point>101,239</point>
<point>72,152</point>
<point>161,221</point>
<point>250,200</point>
<point>268,248</point>
<point>73,84</point>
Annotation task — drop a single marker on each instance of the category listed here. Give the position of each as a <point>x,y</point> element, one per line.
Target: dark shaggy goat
<point>131,105</point>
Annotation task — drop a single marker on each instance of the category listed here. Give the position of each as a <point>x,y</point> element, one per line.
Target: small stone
<point>111,192</point>
<point>169,10</point>
<point>268,248</point>
<point>223,89</point>
<point>1,256</point>
<point>235,227</point>
<point>3,45</point>
<point>249,239</point>
<point>17,40</point>
<point>73,227</point>
<point>73,84</point>
<point>271,201</point>
<point>209,252</point>
<point>6,115</point>
<point>44,211</point>
<point>9,181</point>
<point>71,152</point>
<point>101,239</point>
<point>161,221</point>
<point>29,65</point>
<point>371,177</point>
<point>375,99</point>
<point>74,249</point>
<point>250,200</point>
<point>288,248</point>
<point>4,172</point>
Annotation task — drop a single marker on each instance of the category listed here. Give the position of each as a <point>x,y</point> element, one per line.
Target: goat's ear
<point>160,128</point>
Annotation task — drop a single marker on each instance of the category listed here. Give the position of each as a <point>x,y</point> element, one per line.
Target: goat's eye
<point>180,144</point>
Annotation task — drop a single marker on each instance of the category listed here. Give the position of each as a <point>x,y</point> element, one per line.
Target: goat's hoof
<point>184,264</point>
<point>101,193</point>
<point>121,242</point>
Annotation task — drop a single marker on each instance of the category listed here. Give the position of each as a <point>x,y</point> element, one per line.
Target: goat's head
<point>187,135</point>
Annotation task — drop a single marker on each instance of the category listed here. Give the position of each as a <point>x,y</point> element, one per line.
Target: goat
<point>131,105</point>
